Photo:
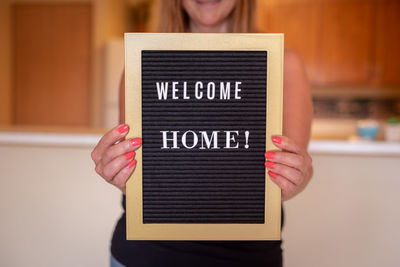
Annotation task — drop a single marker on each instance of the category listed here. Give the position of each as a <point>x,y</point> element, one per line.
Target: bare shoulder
<point>291,54</point>
<point>295,77</point>
<point>292,61</point>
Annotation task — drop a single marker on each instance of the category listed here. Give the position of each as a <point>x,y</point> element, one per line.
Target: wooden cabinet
<point>52,45</point>
<point>387,49</point>
<point>298,20</point>
<point>342,42</point>
<point>345,42</point>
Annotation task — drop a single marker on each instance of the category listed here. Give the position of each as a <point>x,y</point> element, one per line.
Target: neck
<point>217,28</point>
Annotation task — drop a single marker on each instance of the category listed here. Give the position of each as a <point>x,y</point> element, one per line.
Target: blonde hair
<point>173,17</point>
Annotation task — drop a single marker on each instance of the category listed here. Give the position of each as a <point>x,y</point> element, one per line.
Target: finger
<point>291,174</point>
<point>123,176</point>
<point>120,149</point>
<point>287,158</point>
<point>110,138</point>
<point>116,165</point>
<point>287,187</point>
<point>287,144</point>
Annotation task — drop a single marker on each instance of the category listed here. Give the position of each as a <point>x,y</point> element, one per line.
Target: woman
<point>290,168</point>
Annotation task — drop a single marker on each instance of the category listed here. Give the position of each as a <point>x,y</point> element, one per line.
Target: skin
<point>291,168</point>
<point>208,15</point>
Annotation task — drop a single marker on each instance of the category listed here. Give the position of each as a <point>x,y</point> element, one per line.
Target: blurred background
<point>61,62</point>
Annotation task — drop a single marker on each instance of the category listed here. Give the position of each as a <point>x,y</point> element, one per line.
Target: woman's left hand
<point>291,169</point>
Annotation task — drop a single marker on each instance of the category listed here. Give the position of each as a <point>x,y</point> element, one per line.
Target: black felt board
<point>196,185</point>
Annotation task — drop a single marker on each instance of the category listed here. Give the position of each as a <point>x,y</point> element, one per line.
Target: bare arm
<point>291,169</point>
<point>122,99</point>
<point>297,105</point>
<point>113,155</point>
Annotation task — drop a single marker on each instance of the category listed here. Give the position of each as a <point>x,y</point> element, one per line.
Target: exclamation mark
<point>246,133</point>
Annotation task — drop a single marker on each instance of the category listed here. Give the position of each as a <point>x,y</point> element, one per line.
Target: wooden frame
<point>134,44</point>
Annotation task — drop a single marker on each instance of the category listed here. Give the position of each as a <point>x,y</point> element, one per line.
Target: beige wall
<point>55,211</point>
<point>348,215</point>
<point>5,64</point>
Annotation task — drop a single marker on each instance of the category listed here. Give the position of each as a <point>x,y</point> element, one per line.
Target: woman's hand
<point>291,169</point>
<point>115,157</point>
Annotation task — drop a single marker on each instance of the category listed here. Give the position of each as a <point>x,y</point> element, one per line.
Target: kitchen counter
<point>347,210</point>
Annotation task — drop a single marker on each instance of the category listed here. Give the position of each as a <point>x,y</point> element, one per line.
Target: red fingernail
<point>130,155</point>
<point>269,164</point>
<point>269,155</point>
<point>136,141</point>
<point>123,128</point>
<point>131,163</point>
<point>272,174</point>
<point>276,139</point>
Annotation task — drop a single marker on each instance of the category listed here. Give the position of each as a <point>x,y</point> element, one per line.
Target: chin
<point>209,12</point>
<point>209,19</point>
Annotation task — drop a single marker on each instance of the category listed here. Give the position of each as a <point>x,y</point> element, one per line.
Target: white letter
<point>174,90</point>
<point>237,90</point>
<point>230,138</point>
<point>185,96</point>
<point>225,92</point>
<point>162,90</point>
<point>198,94</point>
<point>211,90</point>
<point>195,139</point>
<point>174,139</point>
<point>204,137</point>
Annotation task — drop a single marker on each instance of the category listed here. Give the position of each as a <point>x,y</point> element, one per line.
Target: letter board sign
<point>205,106</point>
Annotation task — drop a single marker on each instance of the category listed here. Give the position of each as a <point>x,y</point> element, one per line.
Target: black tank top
<point>192,253</point>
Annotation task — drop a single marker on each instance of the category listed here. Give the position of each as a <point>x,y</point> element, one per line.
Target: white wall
<point>55,211</point>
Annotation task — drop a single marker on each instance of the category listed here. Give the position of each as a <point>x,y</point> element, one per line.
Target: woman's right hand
<point>115,157</point>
